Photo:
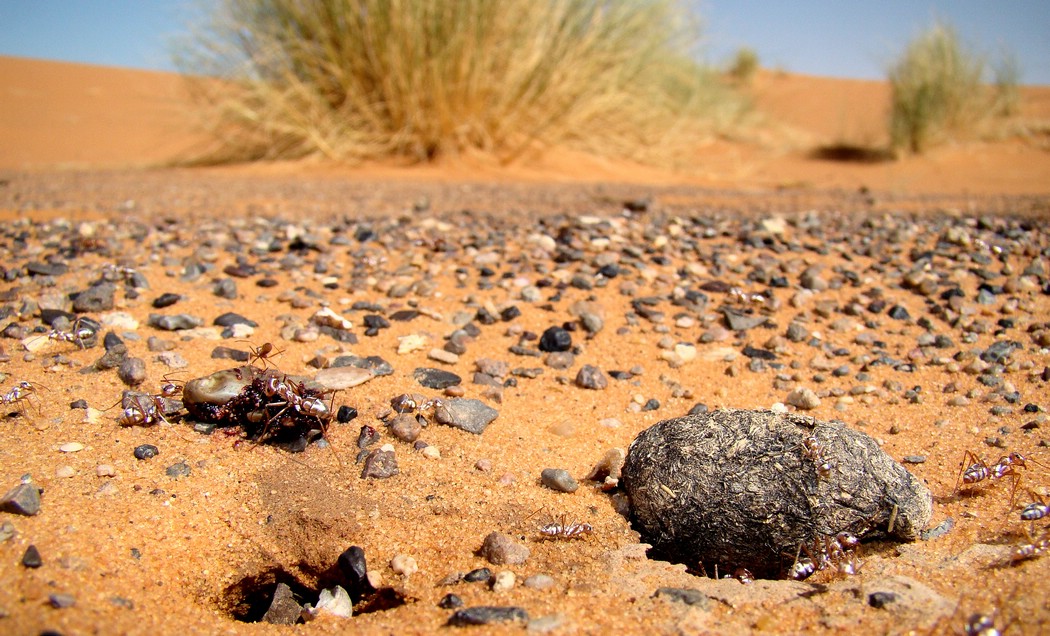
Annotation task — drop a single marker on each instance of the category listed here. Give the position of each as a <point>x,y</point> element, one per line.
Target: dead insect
<point>141,410</point>
<point>404,403</point>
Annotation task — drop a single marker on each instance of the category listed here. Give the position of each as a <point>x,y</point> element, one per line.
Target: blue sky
<point>842,38</point>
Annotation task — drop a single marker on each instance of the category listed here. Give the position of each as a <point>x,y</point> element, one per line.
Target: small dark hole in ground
<point>249,599</point>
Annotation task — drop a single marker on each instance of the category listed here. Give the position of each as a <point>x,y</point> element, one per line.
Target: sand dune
<point>74,116</point>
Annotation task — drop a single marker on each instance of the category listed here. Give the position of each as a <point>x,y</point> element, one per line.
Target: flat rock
<point>284,610</point>
<point>486,615</point>
<point>176,322</point>
<point>340,378</point>
<point>436,378</point>
<point>467,414</point>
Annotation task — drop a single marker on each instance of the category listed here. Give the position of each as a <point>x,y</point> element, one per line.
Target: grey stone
<point>591,377</point>
<point>436,378</point>
<point>175,471</point>
<point>95,299</point>
<point>375,364</point>
<point>558,479</point>
<point>380,464</point>
<point>486,615</point>
<point>23,499</point>
<point>688,596</point>
<point>176,322</point>
<point>284,610</point>
<point>467,414</point>
<point>132,371</point>
<point>738,321</point>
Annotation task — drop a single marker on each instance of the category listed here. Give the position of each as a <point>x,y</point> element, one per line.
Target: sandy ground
<point>136,550</point>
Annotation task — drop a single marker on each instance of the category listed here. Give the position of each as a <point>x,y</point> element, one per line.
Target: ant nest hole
<point>747,489</point>
<point>278,596</point>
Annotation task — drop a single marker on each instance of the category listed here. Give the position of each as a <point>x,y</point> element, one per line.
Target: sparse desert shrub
<point>416,79</point>
<point>938,92</point>
<point>744,65</point>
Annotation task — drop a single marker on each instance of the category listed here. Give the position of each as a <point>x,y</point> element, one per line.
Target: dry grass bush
<point>417,79</point>
<point>938,91</point>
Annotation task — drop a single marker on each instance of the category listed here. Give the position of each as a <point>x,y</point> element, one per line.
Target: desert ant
<point>1031,550</point>
<point>292,395</point>
<point>82,332</point>
<point>111,272</point>
<point>979,471</point>
<point>558,529</point>
<point>813,450</point>
<point>1035,510</point>
<point>839,552</point>
<point>18,394</point>
<point>141,410</point>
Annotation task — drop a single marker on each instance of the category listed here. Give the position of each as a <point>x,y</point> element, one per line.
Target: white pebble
<point>404,565</point>
<point>410,343</point>
<point>105,470</point>
<point>65,471</point>
<point>91,416</point>
<point>503,581</point>
<point>71,447</point>
<point>431,452</point>
<point>443,356</point>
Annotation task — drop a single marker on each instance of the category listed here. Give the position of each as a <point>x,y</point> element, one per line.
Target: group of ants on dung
<point>296,406</point>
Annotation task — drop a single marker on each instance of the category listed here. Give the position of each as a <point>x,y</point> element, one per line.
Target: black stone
<point>479,575</point>
<point>146,451</point>
<point>487,614</point>
<point>166,300</point>
<point>95,298</point>
<point>46,269</point>
<point>898,312</point>
<point>354,568</point>
<point>403,315</point>
<point>450,601</point>
<point>555,339</point>
<point>436,378</point>
<point>111,341</point>
<point>345,414</point>
<point>31,558</point>
<point>230,319</point>
<point>78,404</point>
<point>367,436</point>
<point>880,600</point>
<point>759,354</point>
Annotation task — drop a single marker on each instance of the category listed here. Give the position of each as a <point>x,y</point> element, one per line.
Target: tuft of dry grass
<point>418,79</point>
<point>938,91</point>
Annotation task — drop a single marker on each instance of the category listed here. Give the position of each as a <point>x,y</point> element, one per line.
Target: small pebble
<point>380,464</point>
<point>31,558</point>
<point>478,575</point>
<point>486,615</point>
<point>503,581</point>
<point>146,451</point>
<point>450,601</point>
<point>803,398</point>
<point>539,582</point>
<point>71,447</point>
<point>64,472</point>
<point>500,549</point>
<point>558,479</point>
<point>404,565</point>
<point>175,471</point>
<point>61,601</point>
<point>591,377</point>
<point>105,470</point>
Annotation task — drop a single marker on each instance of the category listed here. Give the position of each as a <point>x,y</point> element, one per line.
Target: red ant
<point>263,353</point>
